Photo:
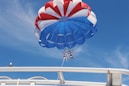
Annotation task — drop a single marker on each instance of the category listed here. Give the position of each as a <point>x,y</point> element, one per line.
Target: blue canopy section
<point>66,33</point>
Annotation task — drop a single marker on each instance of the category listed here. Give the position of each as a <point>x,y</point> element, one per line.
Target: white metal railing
<point>114,76</point>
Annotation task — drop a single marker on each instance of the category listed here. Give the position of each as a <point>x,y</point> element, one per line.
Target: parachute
<point>65,24</point>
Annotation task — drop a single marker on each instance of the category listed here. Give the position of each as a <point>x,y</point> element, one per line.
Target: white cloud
<point>123,58</point>
<point>13,10</point>
<point>26,15</point>
<point>17,24</point>
<point>119,58</point>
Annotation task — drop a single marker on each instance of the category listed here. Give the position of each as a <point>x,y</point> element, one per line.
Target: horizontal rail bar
<point>64,69</point>
<point>52,82</point>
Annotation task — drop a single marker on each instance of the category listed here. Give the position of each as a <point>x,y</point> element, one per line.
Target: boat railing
<point>114,76</point>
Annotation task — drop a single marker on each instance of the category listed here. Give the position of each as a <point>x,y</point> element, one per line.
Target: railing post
<point>61,77</point>
<point>32,84</point>
<point>109,79</point>
<point>116,79</point>
<point>3,84</point>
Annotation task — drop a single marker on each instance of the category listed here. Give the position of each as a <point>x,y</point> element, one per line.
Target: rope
<point>62,64</point>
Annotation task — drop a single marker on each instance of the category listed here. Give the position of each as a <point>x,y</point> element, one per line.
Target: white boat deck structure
<point>114,76</point>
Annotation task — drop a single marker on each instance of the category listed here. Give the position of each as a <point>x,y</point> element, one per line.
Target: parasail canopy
<point>65,23</point>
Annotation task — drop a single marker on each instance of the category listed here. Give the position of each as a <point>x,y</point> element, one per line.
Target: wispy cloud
<point>15,12</point>
<point>17,24</point>
<point>26,15</point>
<point>16,20</point>
<point>119,58</point>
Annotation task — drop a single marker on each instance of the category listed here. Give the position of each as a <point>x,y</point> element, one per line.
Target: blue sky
<point>108,48</point>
